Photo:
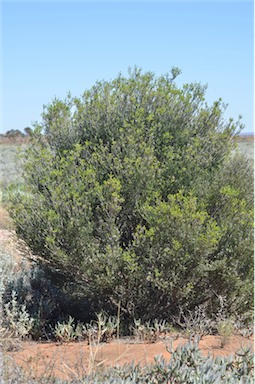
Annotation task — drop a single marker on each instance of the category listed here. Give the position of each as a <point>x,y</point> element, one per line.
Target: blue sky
<point>50,48</point>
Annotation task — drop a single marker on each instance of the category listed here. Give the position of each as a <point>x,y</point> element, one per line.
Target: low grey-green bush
<point>133,195</point>
<point>16,318</point>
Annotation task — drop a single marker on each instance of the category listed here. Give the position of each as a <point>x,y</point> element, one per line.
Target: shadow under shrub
<point>46,302</point>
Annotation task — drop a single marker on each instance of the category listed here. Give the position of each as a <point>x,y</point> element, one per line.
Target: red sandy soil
<point>73,360</point>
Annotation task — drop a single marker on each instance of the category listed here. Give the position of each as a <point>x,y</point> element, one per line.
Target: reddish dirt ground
<point>73,360</point>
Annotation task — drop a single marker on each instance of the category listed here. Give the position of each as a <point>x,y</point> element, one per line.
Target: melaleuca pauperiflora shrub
<point>133,194</point>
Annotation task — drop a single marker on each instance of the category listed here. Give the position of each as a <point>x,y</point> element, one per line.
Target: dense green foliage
<point>133,196</point>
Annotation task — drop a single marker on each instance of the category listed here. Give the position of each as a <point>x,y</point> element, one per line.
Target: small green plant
<point>160,328</point>
<point>141,331</point>
<point>112,325</point>
<point>103,329</point>
<point>97,331</point>
<point>67,331</point>
<point>149,331</point>
<point>225,329</point>
<point>16,318</point>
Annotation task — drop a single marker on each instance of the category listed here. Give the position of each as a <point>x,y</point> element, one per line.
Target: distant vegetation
<point>13,133</point>
<point>16,136</point>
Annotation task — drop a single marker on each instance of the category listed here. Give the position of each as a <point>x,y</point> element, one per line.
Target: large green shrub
<point>133,194</point>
